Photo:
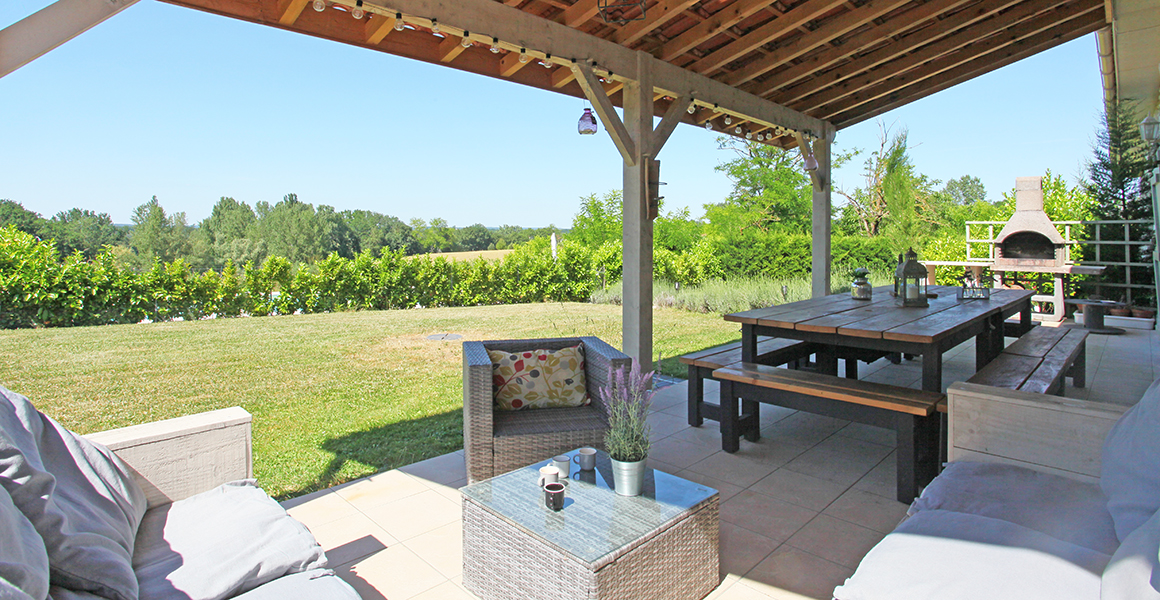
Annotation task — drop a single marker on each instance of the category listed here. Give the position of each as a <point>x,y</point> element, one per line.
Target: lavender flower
<point>627,399</point>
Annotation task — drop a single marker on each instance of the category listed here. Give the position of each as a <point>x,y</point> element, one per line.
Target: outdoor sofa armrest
<point>600,357</point>
<point>1051,434</point>
<point>177,458</point>
<point>477,409</point>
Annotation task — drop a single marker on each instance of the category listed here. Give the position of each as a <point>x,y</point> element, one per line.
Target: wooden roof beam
<point>778,27</point>
<point>578,13</point>
<point>896,25</point>
<point>450,47</point>
<point>39,33</point>
<point>824,34</point>
<point>378,26</point>
<point>891,66</point>
<point>656,17</point>
<point>1013,53</point>
<point>290,10</point>
<point>719,22</point>
<point>1049,24</point>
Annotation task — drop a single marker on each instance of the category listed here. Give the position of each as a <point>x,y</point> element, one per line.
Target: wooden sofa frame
<point>177,458</point>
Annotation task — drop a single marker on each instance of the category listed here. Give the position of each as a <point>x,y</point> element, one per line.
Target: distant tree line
<point>238,233</point>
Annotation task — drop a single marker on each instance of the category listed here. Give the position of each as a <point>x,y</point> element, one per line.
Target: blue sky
<point>188,106</point>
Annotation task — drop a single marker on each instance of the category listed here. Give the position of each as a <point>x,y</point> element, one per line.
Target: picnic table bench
<point>910,413</point>
<point>1039,361</point>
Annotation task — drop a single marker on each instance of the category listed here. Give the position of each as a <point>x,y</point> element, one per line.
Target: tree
<point>292,230</point>
<point>966,190</point>
<point>770,183</point>
<point>158,236</point>
<point>893,193</point>
<point>14,213</point>
<point>338,236</point>
<point>229,220</point>
<point>376,231</point>
<point>599,219</point>
<point>473,237</point>
<point>1119,162</point>
<point>84,231</point>
<point>436,237</point>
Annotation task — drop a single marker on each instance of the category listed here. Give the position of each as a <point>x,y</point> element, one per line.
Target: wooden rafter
<point>449,48</point>
<point>655,17</point>
<point>290,11</point>
<point>719,22</point>
<point>939,38</point>
<point>378,26</point>
<point>824,34</point>
<point>562,76</point>
<point>578,13</point>
<point>921,69</point>
<point>37,34</point>
<point>778,27</point>
<point>1088,23</point>
<point>898,24</point>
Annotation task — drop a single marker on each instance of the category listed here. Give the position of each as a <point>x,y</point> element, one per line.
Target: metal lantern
<point>910,280</point>
<point>587,125</point>
<point>1150,129</point>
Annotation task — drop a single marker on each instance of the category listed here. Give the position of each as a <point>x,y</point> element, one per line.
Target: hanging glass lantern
<point>910,281</point>
<point>587,124</point>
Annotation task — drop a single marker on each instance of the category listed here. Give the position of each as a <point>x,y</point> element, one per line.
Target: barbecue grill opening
<point>1028,244</point>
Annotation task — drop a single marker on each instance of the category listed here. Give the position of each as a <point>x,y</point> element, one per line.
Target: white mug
<point>549,474</point>
<point>586,458</point>
<point>564,464</point>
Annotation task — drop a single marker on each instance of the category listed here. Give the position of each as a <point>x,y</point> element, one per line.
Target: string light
<point>494,45</point>
<point>319,5</point>
<point>524,55</point>
<point>547,62</point>
<point>708,124</point>
<point>434,26</point>
<point>760,137</point>
<point>399,21</point>
<point>737,131</point>
<point>692,108</point>
<point>728,120</point>
<point>466,43</point>
<point>748,135</point>
<point>358,11</point>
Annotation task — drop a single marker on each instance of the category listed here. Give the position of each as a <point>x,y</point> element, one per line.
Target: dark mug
<point>554,496</point>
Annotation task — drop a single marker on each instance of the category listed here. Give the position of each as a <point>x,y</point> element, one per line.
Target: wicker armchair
<point>496,442</point>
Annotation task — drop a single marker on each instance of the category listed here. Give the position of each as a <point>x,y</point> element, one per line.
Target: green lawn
<point>334,396</point>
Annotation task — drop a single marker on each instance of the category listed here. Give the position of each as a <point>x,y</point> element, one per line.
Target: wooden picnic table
<point>839,321</point>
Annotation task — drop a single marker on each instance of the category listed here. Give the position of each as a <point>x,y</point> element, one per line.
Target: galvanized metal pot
<point>628,477</point>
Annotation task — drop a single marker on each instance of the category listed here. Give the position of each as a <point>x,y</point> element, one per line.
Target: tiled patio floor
<point>799,508</point>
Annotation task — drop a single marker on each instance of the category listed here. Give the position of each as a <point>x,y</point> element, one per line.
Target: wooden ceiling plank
<point>510,64</point>
<point>562,76</point>
<point>1014,53</point>
<point>719,22</point>
<point>655,17</point>
<point>826,33</point>
<point>290,11</point>
<point>896,25</point>
<point>887,52</point>
<point>378,26</point>
<point>779,26</point>
<point>578,13</point>
<point>451,47</point>
<point>925,68</point>
<point>993,25</point>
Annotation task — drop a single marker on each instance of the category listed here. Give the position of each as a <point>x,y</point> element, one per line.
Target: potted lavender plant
<point>627,398</point>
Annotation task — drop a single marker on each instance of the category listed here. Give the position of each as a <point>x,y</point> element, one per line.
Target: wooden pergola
<point>781,72</point>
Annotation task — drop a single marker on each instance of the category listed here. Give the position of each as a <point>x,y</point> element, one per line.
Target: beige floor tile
<point>743,592</point>
<point>882,479</point>
<point>320,509</point>
<point>734,469</point>
<point>799,489</point>
<point>708,434</point>
<point>802,429</point>
<point>415,515</point>
<point>352,538</point>
<point>870,433</point>
<point>770,451</point>
<point>836,540</point>
<point>741,549</point>
<point>726,583</point>
<point>442,548</point>
<point>764,515</point>
<point>790,573</point>
<point>381,489</point>
<point>664,425</point>
<point>440,469</point>
<point>680,453</point>
<point>661,465</point>
<point>446,591</point>
<point>840,460</point>
<point>725,490</point>
<point>396,573</point>
<point>868,510</point>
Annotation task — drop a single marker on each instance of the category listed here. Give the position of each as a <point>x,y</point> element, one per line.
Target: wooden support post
<point>820,220</point>
<point>636,310</point>
<point>35,35</point>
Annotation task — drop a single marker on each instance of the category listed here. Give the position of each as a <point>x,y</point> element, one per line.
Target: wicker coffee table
<point>661,544</point>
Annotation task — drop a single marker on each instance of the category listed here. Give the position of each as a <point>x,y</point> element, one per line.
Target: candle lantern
<point>910,280</point>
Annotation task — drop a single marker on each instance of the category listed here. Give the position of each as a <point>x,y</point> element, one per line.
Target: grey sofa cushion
<point>23,559</point>
<point>81,499</point>
<point>1063,508</point>
<point>1134,571</point>
<point>220,543</point>
<point>1130,464</point>
<point>319,584</point>
<point>938,554</point>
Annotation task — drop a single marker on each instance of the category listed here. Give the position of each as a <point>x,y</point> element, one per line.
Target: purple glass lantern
<point>587,125</point>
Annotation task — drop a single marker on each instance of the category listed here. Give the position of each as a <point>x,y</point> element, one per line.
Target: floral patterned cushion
<point>539,378</point>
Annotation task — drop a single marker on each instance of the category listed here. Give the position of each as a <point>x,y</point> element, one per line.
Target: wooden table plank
<point>830,323</point>
<point>877,324</point>
<point>756,314</point>
<point>942,324</point>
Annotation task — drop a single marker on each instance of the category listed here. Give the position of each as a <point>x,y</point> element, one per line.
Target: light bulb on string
<point>357,12</point>
<point>692,108</point>
<point>748,135</point>
<point>399,22</point>
<point>737,130</point>
<point>708,125</point>
<point>524,55</point>
<point>494,45</point>
<point>547,62</point>
<point>434,26</point>
<point>319,5</point>
<point>466,43</point>
<point>728,120</point>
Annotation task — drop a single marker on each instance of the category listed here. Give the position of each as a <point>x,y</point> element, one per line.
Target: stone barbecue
<point>1029,241</point>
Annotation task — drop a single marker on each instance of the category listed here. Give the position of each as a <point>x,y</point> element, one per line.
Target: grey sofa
<point>165,510</point>
<point>1044,497</point>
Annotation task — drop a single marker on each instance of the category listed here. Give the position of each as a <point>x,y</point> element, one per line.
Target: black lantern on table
<point>910,281</point>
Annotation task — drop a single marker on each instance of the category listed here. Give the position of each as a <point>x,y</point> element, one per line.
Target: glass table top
<point>595,520</point>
